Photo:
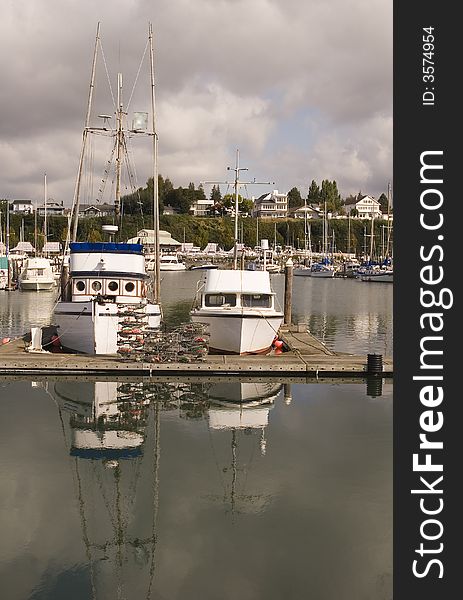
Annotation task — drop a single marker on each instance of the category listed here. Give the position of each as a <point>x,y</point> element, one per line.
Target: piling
<point>288,291</point>
<point>65,284</point>
<point>374,364</point>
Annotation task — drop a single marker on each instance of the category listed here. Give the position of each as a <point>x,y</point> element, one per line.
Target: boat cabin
<point>237,289</point>
<point>116,272</point>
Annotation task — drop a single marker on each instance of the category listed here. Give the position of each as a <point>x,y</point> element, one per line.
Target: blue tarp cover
<point>113,247</point>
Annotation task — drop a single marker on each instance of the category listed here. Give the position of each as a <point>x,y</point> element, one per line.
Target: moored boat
<point>240,309</point>
<point>37,275</point>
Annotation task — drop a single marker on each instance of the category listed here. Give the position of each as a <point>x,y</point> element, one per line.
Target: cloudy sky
<point>303,88</point>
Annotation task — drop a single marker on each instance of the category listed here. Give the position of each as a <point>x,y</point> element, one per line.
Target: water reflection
<point>197,489</point>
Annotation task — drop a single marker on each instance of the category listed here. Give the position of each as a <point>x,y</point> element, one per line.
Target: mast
<point>45,231</point>
<point>76,199</point>
<point>236,184</point>
<point>372,237</point>
<point>157,272</point>
<point>35,228</point>
<point>388,219</point>
<point>119,147</point>
<point>7,244</point>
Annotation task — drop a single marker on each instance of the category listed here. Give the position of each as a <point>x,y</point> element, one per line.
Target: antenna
<point>236,183</point>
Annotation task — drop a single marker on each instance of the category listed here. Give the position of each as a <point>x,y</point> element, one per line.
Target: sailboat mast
<point>157,272</point>
<point>235,250</point>
<point>76,199</point>
<point>388,242</point>
<point>35,228</point>
<point>45,231</point>
<point>119,147</point>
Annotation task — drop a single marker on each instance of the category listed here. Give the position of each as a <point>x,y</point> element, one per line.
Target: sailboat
<point>239,306</point>
<point>108,284</point>
<point>37,273</point>
<point>323,268</point>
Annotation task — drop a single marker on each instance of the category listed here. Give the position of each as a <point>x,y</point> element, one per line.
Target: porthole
<point>80,286</point>
<point>129,287</point>
<point>113,286</point>
<point>96,286</point>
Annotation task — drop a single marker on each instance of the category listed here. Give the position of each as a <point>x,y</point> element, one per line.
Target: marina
<point>196,383</point>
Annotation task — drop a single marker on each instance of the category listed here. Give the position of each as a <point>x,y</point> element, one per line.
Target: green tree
<point>313,195</point>
<point>383,203</point>
<point>294,198</point>
<point>329,193</point>
<point>216,195</point>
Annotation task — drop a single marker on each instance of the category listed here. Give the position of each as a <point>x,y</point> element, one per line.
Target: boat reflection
<point>243,410</point>
<point>111,431</point>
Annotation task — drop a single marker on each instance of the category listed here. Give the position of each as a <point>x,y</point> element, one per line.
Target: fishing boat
<point>238,305</point>
<point>240,309</point>
<point>170,262</point>
<point>107,285</point>
<point>37,275</point>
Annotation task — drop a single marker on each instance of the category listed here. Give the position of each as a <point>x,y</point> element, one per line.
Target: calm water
<point>348,315</point>
<point>177,491</point>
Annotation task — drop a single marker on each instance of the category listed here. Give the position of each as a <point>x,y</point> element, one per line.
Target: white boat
<point>238,305</point>
<point>108,282</point>
<point>240,309</point>
<point>170,262</point>
<point>37,275</point>
<point>107,279</point>
<point>378,275</point>
<point>322,270</point>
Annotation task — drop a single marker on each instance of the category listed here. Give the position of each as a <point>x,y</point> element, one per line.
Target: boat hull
<point>238,332</point>
<point>379,277</point>
<point>37,286</point>
<point>91,328</point>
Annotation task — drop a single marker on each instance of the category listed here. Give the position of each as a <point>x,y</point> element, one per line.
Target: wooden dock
<point>307,357</point>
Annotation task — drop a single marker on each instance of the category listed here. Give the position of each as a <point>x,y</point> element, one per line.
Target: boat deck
<point>307,357</point>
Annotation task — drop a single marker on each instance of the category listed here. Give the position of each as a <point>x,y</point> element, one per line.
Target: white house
<point>366,206</point>
<point>272,205</point>
<point>53,209</point>
<point>22,206</point>
<point>96,210</point>
<point>202,207</point>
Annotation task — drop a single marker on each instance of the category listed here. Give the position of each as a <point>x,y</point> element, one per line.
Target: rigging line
<point>138,73</point>
<point>107,75</point>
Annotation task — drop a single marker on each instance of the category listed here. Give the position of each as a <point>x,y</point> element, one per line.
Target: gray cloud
<point>230,74</point>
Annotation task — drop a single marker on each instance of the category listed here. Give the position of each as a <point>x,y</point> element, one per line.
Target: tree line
<point>182,199</point>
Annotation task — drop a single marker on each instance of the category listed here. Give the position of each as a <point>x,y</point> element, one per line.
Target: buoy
<point>278,351</point>
<point>278,344</point>
<point>5,340</point>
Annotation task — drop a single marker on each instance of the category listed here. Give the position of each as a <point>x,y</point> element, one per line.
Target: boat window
<point>129,287</point>
<point>113,285</point>
<point>220,300</point>
<point>80,286</point>
<point>96,285</point>
<point>256,300</point>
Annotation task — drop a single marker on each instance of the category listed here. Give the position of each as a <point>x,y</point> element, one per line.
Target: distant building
<point>202,207</point>
<point>169,210</point>
<point>313,212</point>
<point>53,209</point>
<point>146,237</point>
<point>366,206</point>
<point>96,210</point>
<point>271,205</point>
<point>22,206</point>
